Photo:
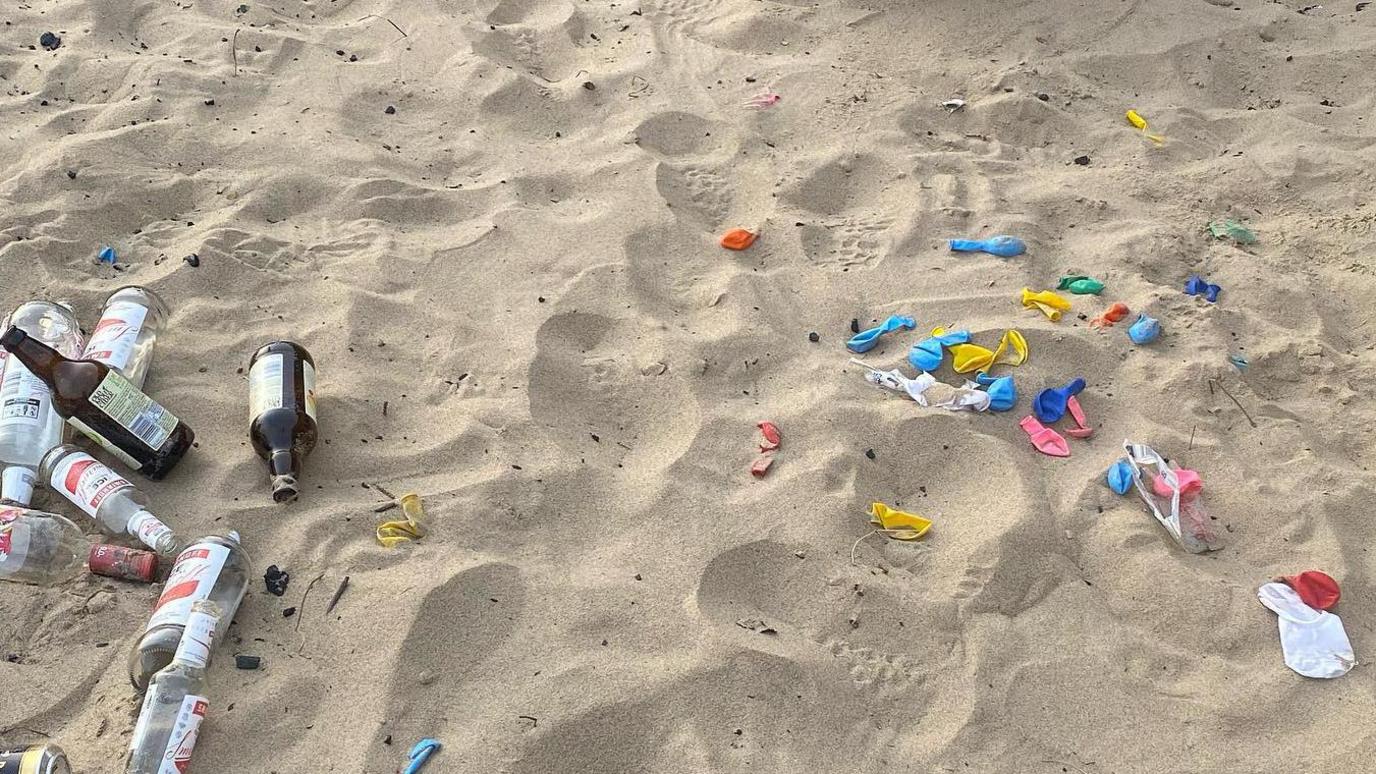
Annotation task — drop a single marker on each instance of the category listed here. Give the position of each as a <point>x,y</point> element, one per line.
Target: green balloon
<point>1080,285</point>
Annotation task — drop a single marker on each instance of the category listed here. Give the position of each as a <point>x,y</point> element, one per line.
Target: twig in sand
<point>339,592</point>
<point>8,729</point>
<point>379,488</point>
<point>385,507</point>
<point>1192,429</point>
<point>1235,401</point>
<point>302,607</point>
<point>1063,763</point>
<point>389,21</point>
<point>234,51</point>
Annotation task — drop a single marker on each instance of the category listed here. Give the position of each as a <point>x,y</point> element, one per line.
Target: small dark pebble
<point>339,52</point>
<point>353,57</point>
<point>854,325</point>
<point>276,580</point>
<point>541,299</point>
<point>813,337</point>
<point>192,260</point>
<point>289,612</point>
<point>869,453</point>
<point>49,41</point>
<point>210,102</point>
<point>391,110</point>
<point>638,577</point>
<point>1082,160</point>
<point>241,9</point>
<point>1043,96</point>
<point>749,79</point>
<point>71,174</point>
<point>589,85</point>
<point>388,739</point>
<point>247,662</point>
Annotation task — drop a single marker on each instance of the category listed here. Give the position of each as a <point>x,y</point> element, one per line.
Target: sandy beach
<point>495,226</point>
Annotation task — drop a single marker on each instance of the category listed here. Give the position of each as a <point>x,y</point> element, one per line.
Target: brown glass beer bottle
<point>106,407</point>
<point>281,385</point>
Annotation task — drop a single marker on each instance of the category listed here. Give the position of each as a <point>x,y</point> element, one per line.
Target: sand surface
<point>514,292</point>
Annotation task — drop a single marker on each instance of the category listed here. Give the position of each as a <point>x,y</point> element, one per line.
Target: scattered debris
<point>49,41</point>
<point>1082,160</point>
<point>1197,286</point>
<point>768,99</point>
<point>390,110</point>
<point>756,625</point>
<point>193,260</point>
<point>1145,330</point>
<point>276,580</point>
<point>1231,229</point>
<point>392,533</point>
<point>738,239</point>
<point>107,256</point>
<point>247,662</point>
<point>1139,122</point>
<point>1002,246</point>
<point>953,105</point>
<point>419,754</point>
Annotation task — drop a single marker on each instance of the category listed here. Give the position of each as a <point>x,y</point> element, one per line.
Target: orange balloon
<point>738,239</point>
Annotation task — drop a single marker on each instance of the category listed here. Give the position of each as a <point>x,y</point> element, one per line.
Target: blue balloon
<point>1197,286</point>
<point>107,255</point>
<point>1002,246</point>
<point>864,341</point>
<point>927,355</point>
<point>1049,405</point>
<point>1002,393</point>
<point>1120,477</point>
<point>1145,330</point>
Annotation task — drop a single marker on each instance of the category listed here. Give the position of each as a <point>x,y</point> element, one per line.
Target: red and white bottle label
<point>192,578</point>
<point>14,541</point>
<point>176,759</point>
<point>112,342</point>
<point>82,479</point>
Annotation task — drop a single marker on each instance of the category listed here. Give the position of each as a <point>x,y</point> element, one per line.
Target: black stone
<point>49,41</point>
<point>813,337</point>
<point>247,662</point>
<point>276,580</point>
<point>1082,160</point>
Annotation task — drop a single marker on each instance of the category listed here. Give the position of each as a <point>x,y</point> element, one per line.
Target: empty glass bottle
<point>44,549</point>
<point>282,426</point>
<point>123,339</point>
<point>216,568</point>
<point>105,406</point>
<point>29,424</point>
<point>176,702</point>
<point>117,505</point>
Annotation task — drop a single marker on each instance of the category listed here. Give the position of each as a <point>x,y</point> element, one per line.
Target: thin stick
<point>301,608</point>
<point>385,507</point>
<point>395,27</point>
<point>1192,429</point>
<point>234,50</point>
<point>1235,401</point>
<point>339,592</point>
<point>379,488</point>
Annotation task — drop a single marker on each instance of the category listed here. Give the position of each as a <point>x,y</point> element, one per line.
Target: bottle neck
<point>284,468</point>
<point>194,648</point>
<point>34,354</point>
<point>16,484</point>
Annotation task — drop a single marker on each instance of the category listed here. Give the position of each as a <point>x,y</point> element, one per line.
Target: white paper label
<point>25,400</point>
<point>308,378</point>
<point>112,342</point>
<point>14,541</point>
<point>177,758</point>
<point>82,479</point>
<point>265,384</point>
<point>142,416</point>
<point>191,579</point>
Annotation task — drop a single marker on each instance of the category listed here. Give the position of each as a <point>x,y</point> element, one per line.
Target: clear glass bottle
<point>215,568</point>
<point>175,704</point>
<point>116,504</point>
<point>29,425</point>
<point>44,549</point>
<point>123,339</point>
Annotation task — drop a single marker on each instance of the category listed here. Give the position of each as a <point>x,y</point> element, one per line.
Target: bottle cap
<point>16,484</point>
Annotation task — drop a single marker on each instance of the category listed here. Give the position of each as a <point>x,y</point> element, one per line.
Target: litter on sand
<point>1002,246</point>
<point>1173,496</point>
<point>1145,330</point>
<point>899,525</point>
<point>1115,313</point>
<point>1198,286</point>
<point>1314,642</point>
<point>1231,229</point>
<point>1046,302</point>
<point>1044,439</point>
<point>393,533</point>
<point>867,340</point>
<point>1081,285</point>
<point>419,754</point>
<point>738,239</point>
<point>1140,123</point>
